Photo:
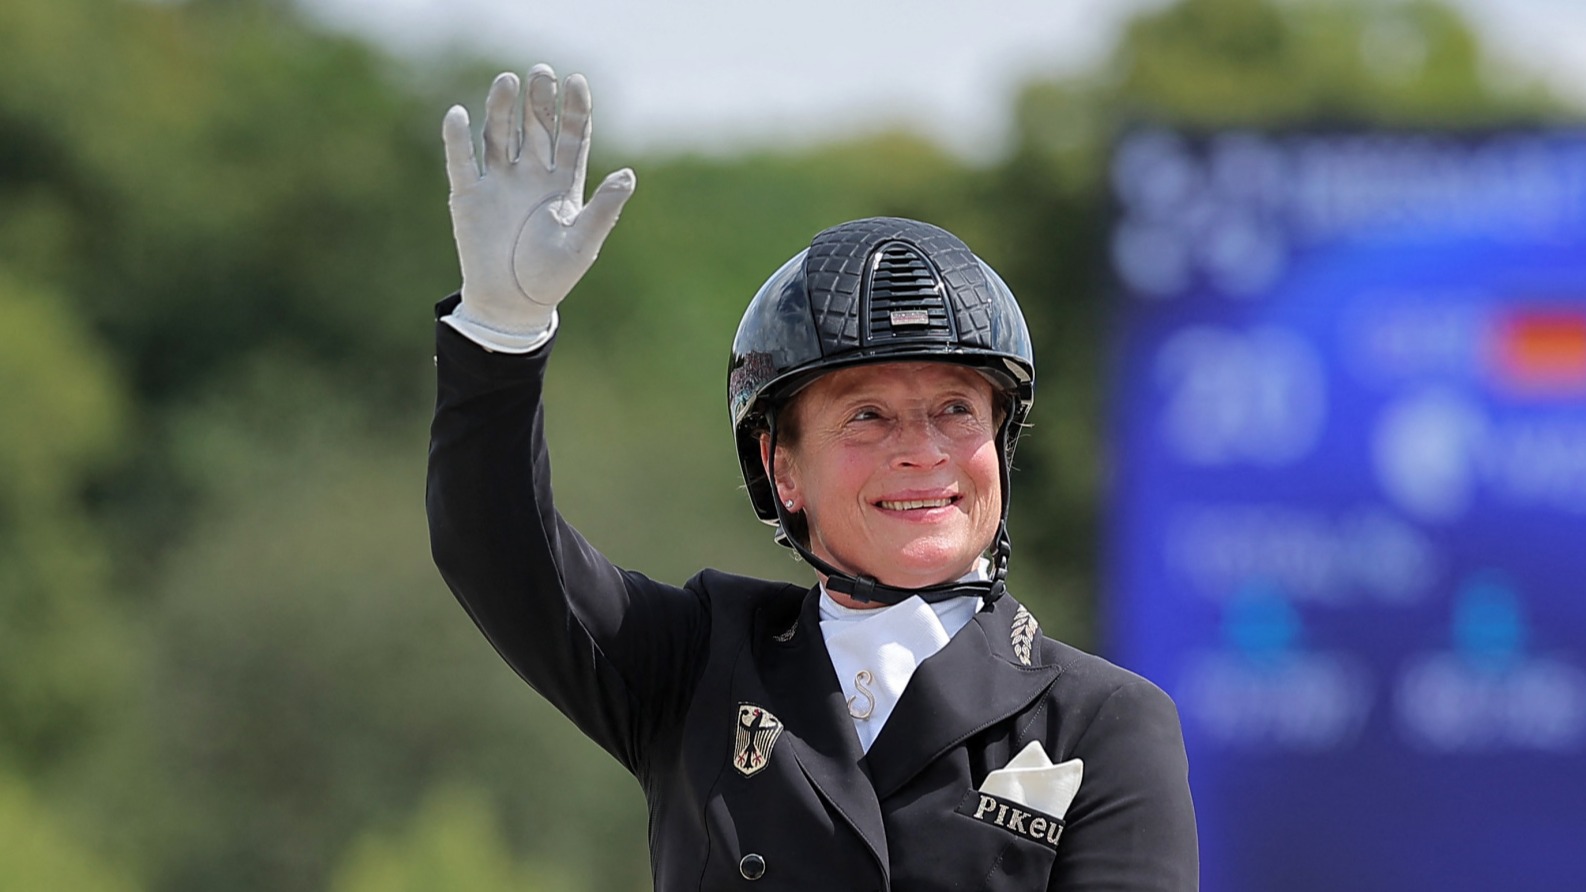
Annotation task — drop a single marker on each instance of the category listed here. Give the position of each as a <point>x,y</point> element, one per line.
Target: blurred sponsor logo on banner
<point>1487,691</point>
<point>1263,689</point>
<point>1349,493</point>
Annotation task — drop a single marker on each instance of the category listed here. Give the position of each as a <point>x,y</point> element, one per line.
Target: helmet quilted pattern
<point>835,265</point>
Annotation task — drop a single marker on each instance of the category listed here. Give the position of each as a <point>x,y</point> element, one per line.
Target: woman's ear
<point>785,476</point>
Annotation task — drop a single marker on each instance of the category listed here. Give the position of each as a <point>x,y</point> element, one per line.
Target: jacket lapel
<point>967,686</point>
<point>798,674</point>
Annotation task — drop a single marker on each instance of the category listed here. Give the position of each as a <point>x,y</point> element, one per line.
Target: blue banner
<point>1348,498</point>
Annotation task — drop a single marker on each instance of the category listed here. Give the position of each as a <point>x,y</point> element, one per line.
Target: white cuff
<point>497,341</point>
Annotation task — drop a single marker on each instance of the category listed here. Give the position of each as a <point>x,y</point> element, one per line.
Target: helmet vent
<point>905,297</point>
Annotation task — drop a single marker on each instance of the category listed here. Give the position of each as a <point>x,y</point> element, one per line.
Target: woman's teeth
<point>916,503</point>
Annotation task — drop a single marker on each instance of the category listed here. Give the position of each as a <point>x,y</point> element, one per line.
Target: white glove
<point>524,235</point>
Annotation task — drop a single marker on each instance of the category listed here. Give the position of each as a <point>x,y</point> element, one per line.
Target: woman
<point>902,723</point>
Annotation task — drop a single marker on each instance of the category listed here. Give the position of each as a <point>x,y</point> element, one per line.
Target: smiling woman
<point>902,722</point>
<point>907,360</point>
<point>896,470</point>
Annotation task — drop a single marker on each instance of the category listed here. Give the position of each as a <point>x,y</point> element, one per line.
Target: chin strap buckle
<point>860,588</point>
<point>863,590</point>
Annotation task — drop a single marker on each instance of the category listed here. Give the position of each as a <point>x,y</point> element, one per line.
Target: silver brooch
<point>1025,628</point>
<point>860,680</point>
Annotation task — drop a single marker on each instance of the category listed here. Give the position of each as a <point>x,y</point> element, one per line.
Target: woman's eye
<point>866,415</point>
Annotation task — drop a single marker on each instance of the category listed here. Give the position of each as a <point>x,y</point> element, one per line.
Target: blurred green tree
<point>451,842</point>
<point>202,182</point>
<point>64,651</point>
<point>39,853</point>
<point>315,678</point>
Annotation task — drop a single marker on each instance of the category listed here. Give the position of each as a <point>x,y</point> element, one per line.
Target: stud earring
<point>789,504</point>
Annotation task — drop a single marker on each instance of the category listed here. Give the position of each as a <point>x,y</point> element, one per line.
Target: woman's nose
<point>919,444</point>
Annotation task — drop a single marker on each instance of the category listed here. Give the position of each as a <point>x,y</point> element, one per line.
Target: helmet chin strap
<point>866,589</point>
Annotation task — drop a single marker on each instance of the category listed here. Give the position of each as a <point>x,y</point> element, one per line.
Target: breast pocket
<point>1026,838</point>
<point>945,836</point>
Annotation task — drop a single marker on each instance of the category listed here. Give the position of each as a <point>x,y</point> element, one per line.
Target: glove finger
<point>539,115</point>
<point>596,219</point>
<point>501,143</point>
<point>572,138</point>
<point>462,168</point>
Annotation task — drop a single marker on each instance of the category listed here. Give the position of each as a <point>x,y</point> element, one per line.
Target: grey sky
<point>713,74</point>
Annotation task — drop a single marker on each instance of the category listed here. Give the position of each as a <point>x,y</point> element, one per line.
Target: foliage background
<point>227,660</point>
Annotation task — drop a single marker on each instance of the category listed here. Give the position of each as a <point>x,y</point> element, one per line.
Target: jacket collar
<point>974,682</point>
<point>977,680</point>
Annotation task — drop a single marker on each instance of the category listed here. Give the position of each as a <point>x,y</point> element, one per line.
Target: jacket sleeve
<point>1132,824</point>
<point>614,651</point>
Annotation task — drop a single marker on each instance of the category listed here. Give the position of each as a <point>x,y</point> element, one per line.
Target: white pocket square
<point>1030,779</point>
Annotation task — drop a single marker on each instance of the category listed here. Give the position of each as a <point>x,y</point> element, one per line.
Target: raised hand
<point>524,234</point>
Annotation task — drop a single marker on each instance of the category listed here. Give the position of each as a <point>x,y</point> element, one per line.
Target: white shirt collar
<point>875,651</point>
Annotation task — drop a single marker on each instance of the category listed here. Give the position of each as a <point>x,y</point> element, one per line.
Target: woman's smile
<point>895,467</point>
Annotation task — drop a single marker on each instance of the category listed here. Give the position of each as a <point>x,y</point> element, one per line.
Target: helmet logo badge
<point>909,317</point>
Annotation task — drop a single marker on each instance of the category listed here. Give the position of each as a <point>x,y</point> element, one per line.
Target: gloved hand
<point>524,235</point>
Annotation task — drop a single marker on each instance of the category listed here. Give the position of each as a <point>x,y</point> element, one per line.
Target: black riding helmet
<point>884,289</point>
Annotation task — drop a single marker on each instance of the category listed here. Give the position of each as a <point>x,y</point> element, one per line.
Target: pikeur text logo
<point>1020,820</point>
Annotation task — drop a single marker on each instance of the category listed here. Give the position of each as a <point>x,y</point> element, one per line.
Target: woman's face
<point>895,469</point>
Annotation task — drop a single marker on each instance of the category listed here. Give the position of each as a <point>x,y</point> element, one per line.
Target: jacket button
<point>752,866</point>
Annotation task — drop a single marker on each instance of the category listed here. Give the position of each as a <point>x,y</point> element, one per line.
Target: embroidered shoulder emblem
<point>1025,628</point>
<point>754,734</point>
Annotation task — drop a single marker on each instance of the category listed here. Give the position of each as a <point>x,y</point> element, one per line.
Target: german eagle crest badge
<point>754,735</point>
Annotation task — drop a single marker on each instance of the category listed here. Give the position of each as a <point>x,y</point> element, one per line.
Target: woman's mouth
<point>914,504</point>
